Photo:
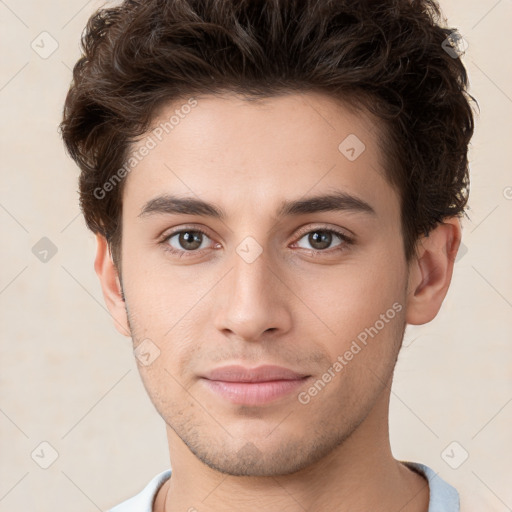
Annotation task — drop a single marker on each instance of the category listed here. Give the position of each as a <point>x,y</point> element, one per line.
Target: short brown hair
<point>388,56</point>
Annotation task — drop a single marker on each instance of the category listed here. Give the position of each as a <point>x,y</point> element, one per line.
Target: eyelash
<point>346,241</point>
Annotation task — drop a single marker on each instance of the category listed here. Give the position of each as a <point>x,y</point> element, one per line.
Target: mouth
<point>253,386</point>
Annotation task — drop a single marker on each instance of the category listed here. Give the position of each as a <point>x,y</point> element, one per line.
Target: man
<point>275,188</point>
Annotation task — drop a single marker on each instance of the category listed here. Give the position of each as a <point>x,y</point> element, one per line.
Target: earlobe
<point>110,285</point>
<point>431,271</point>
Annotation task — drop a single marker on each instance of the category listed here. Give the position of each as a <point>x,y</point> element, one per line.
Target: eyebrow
<point>336,201</point>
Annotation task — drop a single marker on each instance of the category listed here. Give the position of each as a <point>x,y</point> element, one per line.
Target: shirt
<point>443,497</point>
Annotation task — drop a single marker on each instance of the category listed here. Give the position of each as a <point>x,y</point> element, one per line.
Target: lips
<point>266,373</point>
<point>252,386</point>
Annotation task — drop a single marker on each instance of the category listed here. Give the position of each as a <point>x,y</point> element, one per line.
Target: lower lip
<point>253,393</point>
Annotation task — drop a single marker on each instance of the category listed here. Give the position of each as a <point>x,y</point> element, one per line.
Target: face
<point>263,275</point>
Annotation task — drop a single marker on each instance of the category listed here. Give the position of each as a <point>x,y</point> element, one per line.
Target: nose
<point>253,300</point>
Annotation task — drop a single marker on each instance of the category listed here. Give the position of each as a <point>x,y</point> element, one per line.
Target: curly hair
<point>388,57</point>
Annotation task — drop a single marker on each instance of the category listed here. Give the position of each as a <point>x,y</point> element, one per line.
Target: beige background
<point>67,378</point>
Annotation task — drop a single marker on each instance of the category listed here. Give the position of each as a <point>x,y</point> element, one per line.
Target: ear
<point>431,271</point>
<point>110,285</point>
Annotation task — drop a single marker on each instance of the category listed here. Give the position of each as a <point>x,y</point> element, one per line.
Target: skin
<point>288,307</point>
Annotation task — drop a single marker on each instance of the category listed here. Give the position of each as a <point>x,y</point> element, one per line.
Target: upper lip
<point>265,373</point>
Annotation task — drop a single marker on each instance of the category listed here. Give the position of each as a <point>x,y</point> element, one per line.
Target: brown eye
<point>190,240</point>
<point>322,239</point>
<point>186,240</point>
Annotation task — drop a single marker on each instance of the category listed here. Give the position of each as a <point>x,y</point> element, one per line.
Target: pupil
<point>324,239</point>
<point>190,241</point>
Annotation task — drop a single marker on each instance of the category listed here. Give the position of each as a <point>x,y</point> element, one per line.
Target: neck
<point>360,474</point>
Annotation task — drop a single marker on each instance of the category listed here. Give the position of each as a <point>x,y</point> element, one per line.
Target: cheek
<point>156,296</point>
<point>362,354</point>
<point>349,298</point>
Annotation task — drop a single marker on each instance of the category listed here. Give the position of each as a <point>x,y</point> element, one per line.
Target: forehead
<point>247,154</point>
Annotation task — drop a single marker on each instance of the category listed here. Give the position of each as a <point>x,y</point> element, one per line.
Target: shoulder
<point>143,501</point>
<point>443,497</point>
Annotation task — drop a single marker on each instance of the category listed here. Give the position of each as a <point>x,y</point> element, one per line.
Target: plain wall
<point>69,379</point>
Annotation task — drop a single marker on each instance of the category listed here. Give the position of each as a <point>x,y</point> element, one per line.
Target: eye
<point>191,241</point>
<point>320,240</point>
<point>185,241</point>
